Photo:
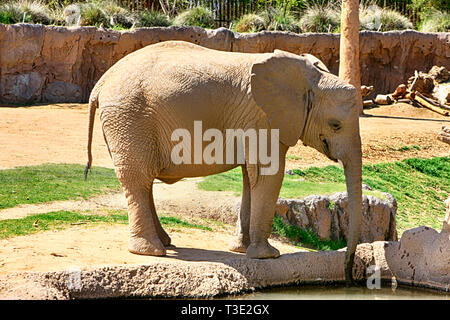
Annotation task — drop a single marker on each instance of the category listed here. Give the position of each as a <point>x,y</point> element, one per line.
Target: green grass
<point>406,148</point>
<point>304,238</point>
<point>419,185</point>
<point>293,157</point>
<point>49,182</point>
<point>294,186</point>
<point>62,219</point>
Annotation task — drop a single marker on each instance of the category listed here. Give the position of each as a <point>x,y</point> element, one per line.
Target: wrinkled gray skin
<point>148,94</point>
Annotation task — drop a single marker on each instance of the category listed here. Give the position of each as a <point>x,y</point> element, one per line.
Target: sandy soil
<point>57,134</point>
<point>98,245</point>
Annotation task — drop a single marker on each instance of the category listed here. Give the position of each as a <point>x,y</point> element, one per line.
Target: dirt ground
<point>58,134</point>
<point>100,245</point>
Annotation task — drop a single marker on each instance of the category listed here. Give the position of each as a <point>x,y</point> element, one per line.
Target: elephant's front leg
<point>242,240</point>
<point>264,194</point>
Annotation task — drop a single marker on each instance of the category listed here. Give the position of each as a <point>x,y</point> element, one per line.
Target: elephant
<point>149,94</point>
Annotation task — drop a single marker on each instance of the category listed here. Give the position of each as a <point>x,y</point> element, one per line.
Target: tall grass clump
<point>10,13</point>
<point>30,11</point>
<point>250,22</point>
<point>198,16</point>
<point>146,18</point>
<point>93,14</point>
<point>118,16</point>
<point>372,17</point>
<point>435,21</point>
<point>321,17</point>
<point>280,20</point>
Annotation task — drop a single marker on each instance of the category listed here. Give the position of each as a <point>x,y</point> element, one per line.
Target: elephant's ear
<point>281,87</point>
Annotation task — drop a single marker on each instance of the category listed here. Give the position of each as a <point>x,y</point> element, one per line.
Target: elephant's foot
<point>239,245</point>
<point>164,237</point>
<point>149,247</point>
<point>262,250</point>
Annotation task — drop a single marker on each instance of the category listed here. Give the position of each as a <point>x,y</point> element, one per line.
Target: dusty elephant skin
<point>154,92</point>
<point>77,57</point>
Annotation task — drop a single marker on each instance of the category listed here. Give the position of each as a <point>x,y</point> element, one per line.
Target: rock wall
<point>329,216</point>
<point>58,64</point>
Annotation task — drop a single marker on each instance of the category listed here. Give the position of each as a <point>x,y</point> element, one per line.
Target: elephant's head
<point>305,102</point>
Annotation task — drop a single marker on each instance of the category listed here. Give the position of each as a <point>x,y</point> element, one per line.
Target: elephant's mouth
<point>326,149</point>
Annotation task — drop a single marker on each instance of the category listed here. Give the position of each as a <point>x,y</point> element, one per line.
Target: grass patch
<point>50,182</point>
<point>59,220</point>
<point>294,186</point>
<point>405,148</point>
<point>293,157</point>
<point>304,238</point>
<point>419,185</point>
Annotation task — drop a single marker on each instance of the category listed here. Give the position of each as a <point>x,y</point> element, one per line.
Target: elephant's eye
<point>335,124</point>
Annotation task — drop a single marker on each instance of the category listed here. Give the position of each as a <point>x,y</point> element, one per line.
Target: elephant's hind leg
<point>242,240</point>
<point>144,235</point>
<point>162,234</point>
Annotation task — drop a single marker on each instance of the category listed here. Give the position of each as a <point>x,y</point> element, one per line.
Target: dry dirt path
<point>58,134</point>
<point>105,244</point>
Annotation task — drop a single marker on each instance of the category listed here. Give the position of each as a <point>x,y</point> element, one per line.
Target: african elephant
<point>149,94</point>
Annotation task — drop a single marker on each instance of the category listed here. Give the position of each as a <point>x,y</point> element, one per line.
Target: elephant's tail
<point>93,104</point>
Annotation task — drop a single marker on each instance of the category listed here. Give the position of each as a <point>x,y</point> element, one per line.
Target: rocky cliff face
<point>58,64</point>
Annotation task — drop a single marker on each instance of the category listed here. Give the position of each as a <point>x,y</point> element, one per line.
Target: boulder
<point>328,216</point>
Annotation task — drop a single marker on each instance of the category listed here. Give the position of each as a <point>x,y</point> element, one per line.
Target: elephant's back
<point>168,72</point>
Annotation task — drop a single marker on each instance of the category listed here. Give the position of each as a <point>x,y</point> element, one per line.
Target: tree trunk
<point>349,46</point>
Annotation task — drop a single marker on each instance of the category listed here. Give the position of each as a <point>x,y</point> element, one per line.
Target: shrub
<point>10,13</point>
<point>372,17</point>
<point>145,18</point>
<point>92,14</point>
<point>32,11</point>
<point>278,20</point>
<point>117,15</point>
<point>250,23</point>
<point>198,16</point>
<point>435,21</point>
<point>320,17</point>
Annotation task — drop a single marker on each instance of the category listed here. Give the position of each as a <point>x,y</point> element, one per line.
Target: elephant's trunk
<point>353,176</point>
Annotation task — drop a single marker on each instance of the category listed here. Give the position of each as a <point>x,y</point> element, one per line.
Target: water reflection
<point>310,292</point>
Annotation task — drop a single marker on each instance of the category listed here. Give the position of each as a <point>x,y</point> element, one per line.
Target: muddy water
<point>342,293</point>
